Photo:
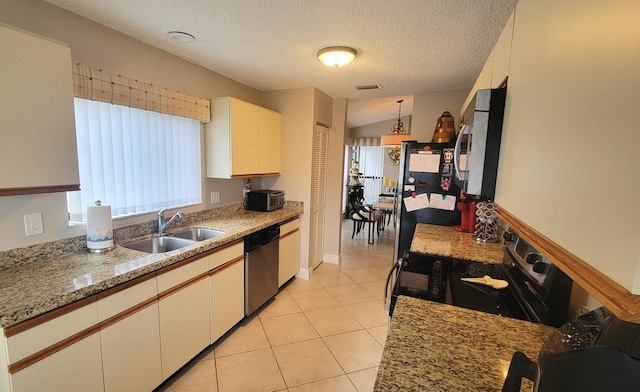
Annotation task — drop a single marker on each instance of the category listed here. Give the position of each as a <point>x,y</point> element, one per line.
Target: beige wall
<point>296,106</point>
<point>428,106</point>
<point>335,189</point>
<point>97,46</point>
<point>569,165</point>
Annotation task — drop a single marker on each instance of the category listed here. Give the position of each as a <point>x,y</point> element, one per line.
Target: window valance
<point>98,85</point>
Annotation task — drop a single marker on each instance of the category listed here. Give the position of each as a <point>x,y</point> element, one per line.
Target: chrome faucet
<point>162,224</point>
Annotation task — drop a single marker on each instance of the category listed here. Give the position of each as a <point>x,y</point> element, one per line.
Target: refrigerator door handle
<point>461,174</point>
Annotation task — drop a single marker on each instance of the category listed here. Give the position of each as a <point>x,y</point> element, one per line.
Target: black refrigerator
<point>426,178</point>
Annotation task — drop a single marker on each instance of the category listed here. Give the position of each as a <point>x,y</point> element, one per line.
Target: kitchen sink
<point>159,244</point>
<point>199,234</point>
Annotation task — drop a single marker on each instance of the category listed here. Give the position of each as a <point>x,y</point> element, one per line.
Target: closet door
<point>318,186</point>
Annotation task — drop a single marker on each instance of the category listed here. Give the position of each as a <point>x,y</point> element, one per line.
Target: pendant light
<point>393,141</point>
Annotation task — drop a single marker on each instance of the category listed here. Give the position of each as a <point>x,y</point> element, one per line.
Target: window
<point>134,160</point>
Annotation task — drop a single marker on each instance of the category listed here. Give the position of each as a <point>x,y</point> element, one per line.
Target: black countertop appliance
<point>593,353</point>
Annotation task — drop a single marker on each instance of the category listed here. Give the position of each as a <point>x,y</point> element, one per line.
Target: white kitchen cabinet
<point>59,351</point>
<point>289,254</point>
<point>184,314</point>
<point>36,115</point>
<point>242,140</point>
<point>227,289</point>
<point>130,336</point>
<point>502,54</point>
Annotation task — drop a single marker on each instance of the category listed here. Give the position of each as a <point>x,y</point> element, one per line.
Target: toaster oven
<point>264,200</point>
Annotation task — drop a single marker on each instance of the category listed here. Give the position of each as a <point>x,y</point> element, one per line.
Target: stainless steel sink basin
<point>159,244</point>
<point>198,234</point>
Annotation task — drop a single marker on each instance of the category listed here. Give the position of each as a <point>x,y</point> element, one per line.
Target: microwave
<point>477,148</point>
<point>264,200</point>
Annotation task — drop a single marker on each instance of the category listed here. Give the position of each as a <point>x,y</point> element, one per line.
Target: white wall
<point>100,47</point>
<point>569,165</point>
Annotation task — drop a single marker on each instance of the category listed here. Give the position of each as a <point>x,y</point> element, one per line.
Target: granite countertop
<point>43,278</point>
<point>444,241</point>
<point>437,347</point>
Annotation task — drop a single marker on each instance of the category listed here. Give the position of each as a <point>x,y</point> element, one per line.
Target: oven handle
<point>396,266</point>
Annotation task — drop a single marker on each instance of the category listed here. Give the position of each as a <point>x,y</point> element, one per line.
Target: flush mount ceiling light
<point>393,141</point>
<point>336,56</point>
<point>181,36</point>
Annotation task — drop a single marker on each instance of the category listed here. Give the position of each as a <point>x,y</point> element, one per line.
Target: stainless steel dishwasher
<point>261,250</point>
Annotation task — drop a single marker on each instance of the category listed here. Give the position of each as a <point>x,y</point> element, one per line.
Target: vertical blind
<point>370,157</point>
<point>134,160</point>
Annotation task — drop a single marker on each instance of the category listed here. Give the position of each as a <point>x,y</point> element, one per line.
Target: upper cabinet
<point>37,124</point>
<point>242,140</point>
<point>502,55</point>
<point>496,69</point>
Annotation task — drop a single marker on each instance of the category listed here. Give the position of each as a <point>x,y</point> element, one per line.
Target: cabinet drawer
<point>225,254</point>
<point>119,299</point>
<point>182,274</point>
<point>49,329</point>
<point>289,226</point>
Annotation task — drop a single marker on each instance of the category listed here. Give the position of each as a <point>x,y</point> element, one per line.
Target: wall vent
<point>369,87</point>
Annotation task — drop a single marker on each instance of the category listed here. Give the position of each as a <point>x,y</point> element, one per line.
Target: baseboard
<point>304,273</point>
<point>331,258</point>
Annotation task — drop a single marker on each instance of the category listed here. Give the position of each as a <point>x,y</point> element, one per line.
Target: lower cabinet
<point>289,256</point>
<point>75,368</point>
<point>226,281</point>
<point>131,352</point>
<point>227,297</point>
<point>130,336</point>
<point>184,314</point>
<point>53,352</point>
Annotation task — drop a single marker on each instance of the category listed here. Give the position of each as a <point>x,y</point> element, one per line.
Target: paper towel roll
<point>99,228</point>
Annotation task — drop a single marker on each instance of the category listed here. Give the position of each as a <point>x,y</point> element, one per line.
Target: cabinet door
<point>130,336</point>
<point>184,314</point>
<point>36,115</point>
<point>502,54</point>
<point>245,128</point>
<point>289,255</point>
<point>75,368</point>
<point>227,297</point>
<point>270,141</point>
<point>131,352</point>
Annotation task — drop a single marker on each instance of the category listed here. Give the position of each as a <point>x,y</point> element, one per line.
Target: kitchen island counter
<point>444,241</point>
<point>437,347</point>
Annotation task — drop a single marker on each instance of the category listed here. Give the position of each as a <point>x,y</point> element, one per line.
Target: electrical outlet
<point>33,224</point>
<point>215,197</point>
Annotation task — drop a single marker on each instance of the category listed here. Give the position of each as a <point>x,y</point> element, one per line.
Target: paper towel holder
<point>100,239</point>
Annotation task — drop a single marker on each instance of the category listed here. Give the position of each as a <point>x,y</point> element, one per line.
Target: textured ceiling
<point>406,46</point>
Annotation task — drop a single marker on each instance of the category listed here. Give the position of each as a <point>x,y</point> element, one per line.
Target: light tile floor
<point>322,334</point>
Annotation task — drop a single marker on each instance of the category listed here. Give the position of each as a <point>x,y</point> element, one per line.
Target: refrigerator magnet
<point>448,155</point>
<point>445,183</point>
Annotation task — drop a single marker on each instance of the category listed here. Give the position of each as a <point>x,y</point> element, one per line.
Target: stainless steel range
<point>537,290</point>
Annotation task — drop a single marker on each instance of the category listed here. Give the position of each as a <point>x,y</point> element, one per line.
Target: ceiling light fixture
<point>336,56</point>
<point>393,141</point>
<point>181,36</point>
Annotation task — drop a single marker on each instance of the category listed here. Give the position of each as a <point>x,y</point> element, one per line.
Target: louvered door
<point>318,186</point>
